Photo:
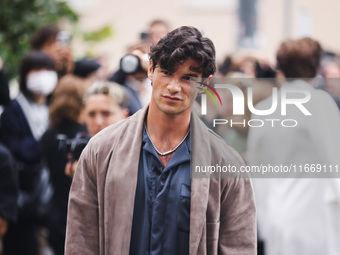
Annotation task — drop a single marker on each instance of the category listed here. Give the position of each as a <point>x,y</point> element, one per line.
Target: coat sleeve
<point>82,232</point>
<point>238,218</point>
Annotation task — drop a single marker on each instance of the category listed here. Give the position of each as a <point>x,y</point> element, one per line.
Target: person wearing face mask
<point>22,125</point>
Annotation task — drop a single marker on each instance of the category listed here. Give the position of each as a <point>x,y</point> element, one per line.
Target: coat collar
<point>200,155</point>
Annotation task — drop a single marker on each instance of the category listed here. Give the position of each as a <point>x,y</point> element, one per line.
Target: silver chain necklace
<point>167,152</point>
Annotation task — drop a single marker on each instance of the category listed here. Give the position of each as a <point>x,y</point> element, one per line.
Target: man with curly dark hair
<point>133,191</point>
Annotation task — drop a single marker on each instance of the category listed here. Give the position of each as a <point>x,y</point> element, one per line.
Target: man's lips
<point>173,99</point>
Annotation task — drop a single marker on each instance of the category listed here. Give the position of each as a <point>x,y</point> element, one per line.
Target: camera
<point>144,36</point>
<point>73,146</point>
<point>131,64</point>
<point>64,37</point>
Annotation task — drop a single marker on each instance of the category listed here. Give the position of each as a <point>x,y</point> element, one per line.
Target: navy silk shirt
<point>161,216</point>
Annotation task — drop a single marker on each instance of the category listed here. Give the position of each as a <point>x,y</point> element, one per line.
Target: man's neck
<point>167,131</point>
<point>164,126</point>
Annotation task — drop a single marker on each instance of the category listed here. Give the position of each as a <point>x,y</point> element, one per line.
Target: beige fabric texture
<point>101,200</point>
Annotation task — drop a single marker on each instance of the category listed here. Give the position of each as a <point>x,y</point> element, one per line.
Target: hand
<point>1,64</point>
<point>3,226</point>
<point>70,168</point>
<point>143,58</point>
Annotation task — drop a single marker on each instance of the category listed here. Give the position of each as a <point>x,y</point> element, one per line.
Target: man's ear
<point>150,70</point>
<point>205,81</point>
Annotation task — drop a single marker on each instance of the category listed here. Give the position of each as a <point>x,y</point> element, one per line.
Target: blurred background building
<point>233,25</point>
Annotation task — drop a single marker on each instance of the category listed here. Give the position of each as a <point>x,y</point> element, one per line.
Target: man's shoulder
<point>222,150</point>
<point>213,151</point>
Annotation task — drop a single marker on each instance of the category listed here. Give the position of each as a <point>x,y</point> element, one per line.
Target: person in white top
<point>299,212</point>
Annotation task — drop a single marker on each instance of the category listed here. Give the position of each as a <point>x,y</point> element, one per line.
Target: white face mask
<point>42,82</point>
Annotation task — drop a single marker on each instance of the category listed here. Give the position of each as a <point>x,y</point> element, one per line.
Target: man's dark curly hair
<point>181,44</point>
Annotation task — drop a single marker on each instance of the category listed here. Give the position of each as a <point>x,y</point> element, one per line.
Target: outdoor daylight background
<point>247,35</point>
<point>107,28</point>
<point>233,25</point>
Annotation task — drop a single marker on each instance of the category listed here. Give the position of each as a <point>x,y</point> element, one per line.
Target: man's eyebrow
<point>164,69</point>
<point>191,75</point>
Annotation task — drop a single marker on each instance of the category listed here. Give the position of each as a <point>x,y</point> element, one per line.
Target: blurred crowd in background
<point>62,103</point>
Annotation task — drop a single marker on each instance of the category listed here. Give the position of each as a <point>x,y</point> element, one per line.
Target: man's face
<point>101,112</point>
<point>171,91</point>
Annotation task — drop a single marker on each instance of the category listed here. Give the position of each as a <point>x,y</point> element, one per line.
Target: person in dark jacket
<point>23,122</point>
<point>8,190</point>
<point>64,111</point>
<point>4,89</point>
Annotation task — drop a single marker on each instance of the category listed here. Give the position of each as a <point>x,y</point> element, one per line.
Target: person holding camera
<point>65,112</point>
<point>105,103</point>
<point>133,192</point>
<point>132,73</point>
<point>56,44</point>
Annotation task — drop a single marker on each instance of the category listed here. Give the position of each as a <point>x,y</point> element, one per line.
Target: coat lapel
<point>200,156</point>
<point>121,182</point>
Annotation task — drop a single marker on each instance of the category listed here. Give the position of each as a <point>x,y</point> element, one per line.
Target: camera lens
<point>129,64</point>
<point>63,37</point>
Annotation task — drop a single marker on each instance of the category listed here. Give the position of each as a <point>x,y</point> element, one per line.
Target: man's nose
<point>174,86</point>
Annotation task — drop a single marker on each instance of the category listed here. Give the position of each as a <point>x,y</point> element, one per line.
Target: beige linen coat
<point>101,201</point>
